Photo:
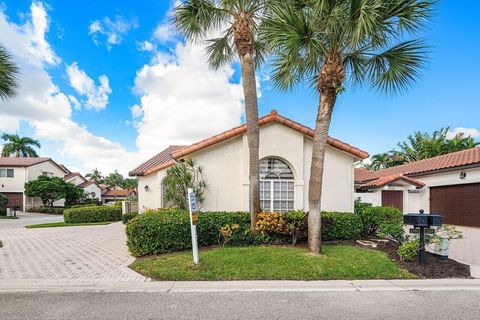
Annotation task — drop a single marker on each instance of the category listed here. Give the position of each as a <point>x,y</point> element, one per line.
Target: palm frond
<point>8,75</point>
<point>219,50</point>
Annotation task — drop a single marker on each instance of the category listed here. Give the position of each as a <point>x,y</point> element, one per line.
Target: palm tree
<point>327,41</point>
<point>19,146</point>
<point>8,75</point>
<point>239,22</point>
<point>95,175</point>
<point>114,180</point>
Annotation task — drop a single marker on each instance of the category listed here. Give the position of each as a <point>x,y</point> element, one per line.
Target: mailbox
<point>423,220</point>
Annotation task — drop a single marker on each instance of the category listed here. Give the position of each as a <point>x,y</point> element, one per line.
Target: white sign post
<point>192,206</point>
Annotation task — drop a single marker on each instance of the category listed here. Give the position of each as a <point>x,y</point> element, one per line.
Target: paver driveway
<point>84,253</point>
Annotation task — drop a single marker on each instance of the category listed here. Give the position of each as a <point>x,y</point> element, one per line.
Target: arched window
<point>276,185</point>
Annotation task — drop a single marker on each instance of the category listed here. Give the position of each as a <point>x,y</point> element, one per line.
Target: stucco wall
<point>95,189</point>
<point>14,184</point>
<point>33,172</point>
<point>375,197</point>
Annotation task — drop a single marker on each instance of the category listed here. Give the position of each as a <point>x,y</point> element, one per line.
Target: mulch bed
<point>436,267</point>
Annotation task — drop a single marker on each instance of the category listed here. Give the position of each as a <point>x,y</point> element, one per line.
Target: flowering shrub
<point>271,222</point>
<point>227,232</point>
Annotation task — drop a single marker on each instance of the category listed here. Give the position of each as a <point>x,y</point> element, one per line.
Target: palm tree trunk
<point>251,112</point>
<point>327,101</point>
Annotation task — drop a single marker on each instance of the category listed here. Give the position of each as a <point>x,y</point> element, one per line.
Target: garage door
<point>459,204</point>
<point>15,199</point>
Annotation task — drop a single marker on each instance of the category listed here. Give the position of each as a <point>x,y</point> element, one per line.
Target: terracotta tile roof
<point>21,161</point>
<point>119,192</point>
<point>380,182</point>
<point>64,168</point>
<point>156,163</point>
<point>272,117</point>
<point>71,175</point>
<point>431,165</point>
<point>86,184</point>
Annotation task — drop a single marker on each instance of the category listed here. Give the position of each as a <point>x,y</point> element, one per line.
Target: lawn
<point>64,224</point>
<point>272,263</point>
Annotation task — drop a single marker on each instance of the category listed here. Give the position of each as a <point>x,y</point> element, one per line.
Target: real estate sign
<point>192,206</point>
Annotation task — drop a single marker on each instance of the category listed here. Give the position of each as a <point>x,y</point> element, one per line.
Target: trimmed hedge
<point>92,214</point>
<point>382,221</point>
<point>341,226</point>
<point>48,210</point>
<point>169,230</point>
<point>126,217</point>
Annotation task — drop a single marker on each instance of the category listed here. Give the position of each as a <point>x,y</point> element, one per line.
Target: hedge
<point>49,210</point>
<point>162,231</point>
<point>92,214</point>
<point>169,230</point>
<point>382,221</point>
<point>126,217</point>
<point>341,226</point>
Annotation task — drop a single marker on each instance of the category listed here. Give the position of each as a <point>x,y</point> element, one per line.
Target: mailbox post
<point>192,206</point>
<point>422,223</point>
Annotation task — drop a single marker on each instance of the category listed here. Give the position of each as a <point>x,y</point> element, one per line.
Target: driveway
<point>87,253</point>
<point>467,250</point>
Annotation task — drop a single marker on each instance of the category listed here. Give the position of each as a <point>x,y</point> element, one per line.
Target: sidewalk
<point>7,286</point>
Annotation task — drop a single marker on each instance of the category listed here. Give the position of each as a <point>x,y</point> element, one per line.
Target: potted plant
<point>442,238</point>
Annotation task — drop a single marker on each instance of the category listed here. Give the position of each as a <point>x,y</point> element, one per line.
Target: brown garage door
<point>15,199</point>
<point>459,204</point>
<point>392,198</point>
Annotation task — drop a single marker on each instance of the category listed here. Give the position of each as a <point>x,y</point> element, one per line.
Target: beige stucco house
<point>285,153</point>
<point>90,187</point>
<point>15,172</point>
<point>448,185</point>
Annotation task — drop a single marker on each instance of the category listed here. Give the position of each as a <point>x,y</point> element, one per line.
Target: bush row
<point>49,210</point>
<point>92,214</point>
<point>161,231</point>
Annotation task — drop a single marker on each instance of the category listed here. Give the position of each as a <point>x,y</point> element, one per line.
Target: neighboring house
<point>285,157</point>
<point>15,172</point>
<point>90,187</point>
<point>110,194</point>
<point>448,185</point>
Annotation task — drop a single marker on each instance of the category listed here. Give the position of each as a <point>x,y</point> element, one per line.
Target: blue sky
<point>158,91</point>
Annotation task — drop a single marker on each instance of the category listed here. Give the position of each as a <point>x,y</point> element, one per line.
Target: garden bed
<point>272,263</point>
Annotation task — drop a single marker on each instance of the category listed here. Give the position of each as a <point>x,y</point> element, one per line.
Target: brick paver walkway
<point>77,253</point>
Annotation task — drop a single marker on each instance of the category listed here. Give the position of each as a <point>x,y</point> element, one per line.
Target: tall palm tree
<point>19,146</point>
<point>114,180</point>
<point>8,75</point>
<point>329,40</point>
<point>95,175</point>
<point>239,22</point>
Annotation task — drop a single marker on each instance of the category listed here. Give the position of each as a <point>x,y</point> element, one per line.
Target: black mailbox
<point>423,220</point>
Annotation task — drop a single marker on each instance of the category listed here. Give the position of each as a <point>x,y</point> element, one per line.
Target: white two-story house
<point>15,172</point>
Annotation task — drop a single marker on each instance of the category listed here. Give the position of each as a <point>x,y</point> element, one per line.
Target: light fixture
<point>146,187</point>
<point>463,175</point>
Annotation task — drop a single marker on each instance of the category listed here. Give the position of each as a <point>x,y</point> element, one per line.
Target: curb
<point>58,286</point>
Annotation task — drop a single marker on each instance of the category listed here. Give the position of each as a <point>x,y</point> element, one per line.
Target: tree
<point>114,180</point>
<point>239,22</point>
<point>130,183</point>
<point>48,189</point>
<point>19,146</point>
<point>385,160</point>
<point>95,175</point>
<point>8,75</point>
<point>179,178</point>
<point>73,194</point>
<point>326,41</point>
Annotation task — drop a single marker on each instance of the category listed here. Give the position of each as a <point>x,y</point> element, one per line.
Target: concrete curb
<point>55,286</point>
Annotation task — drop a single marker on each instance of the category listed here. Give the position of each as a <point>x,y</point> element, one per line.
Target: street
<point>243,305</point>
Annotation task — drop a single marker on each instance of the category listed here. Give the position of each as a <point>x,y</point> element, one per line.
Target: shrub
<point>92,214</point>
<point>382,221</point>
<point>48,210</point>
<point>408,250</point>
<point>3,204</point>
<point>361,206</point>
<point>296,224</point>
<point>169,230</point>
<point>126,217</point>
<point>227,232</point>
<point>84,205</point>
<point>271,222</point>
<point>341,226</point>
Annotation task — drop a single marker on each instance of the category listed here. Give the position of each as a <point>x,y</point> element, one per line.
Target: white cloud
<point>146,46</point>
<point>183,100</point>
<point>45,108</point>
<point>136,111</point>
<point>97,96</point>
<point>74,101</point>
<point>112,31</point>
<point>164,33</point>
<point>467,132</point>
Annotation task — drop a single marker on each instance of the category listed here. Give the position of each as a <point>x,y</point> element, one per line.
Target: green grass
<point>64,224</point>
<point>272,263</point>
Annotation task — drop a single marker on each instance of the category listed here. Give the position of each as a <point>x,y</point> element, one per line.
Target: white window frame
<point>286,188</point>
<point>6,171</point>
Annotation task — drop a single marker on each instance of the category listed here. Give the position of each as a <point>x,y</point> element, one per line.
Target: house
<point>285,157</point>
<point>448,185</point>
<point>15,172</point>
<point>115,194</point>
<point>90,187</point>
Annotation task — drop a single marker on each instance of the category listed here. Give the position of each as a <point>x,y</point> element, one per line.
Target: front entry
<point>392,198</point>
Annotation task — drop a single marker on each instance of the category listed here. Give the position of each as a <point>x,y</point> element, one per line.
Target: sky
<point>108,84</point>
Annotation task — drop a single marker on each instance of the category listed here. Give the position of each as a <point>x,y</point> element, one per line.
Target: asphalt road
<point>243,305</point>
